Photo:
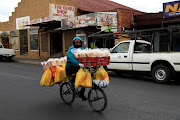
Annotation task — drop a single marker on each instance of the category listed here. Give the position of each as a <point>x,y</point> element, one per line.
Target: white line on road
<point>17,75</point>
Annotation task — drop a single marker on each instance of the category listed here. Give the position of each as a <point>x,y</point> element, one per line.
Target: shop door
<point>5,40</point>
<point>56,44</point>
<point>23,42</point>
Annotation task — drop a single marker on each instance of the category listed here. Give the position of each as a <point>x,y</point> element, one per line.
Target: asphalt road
<point>129,98</point>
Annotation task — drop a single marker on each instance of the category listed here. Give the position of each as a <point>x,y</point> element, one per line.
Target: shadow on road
<point>76,110</point>
<point>141,77</point>
<point>5,60</point>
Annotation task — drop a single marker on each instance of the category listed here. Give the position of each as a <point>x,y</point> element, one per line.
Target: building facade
<point>32,28</point>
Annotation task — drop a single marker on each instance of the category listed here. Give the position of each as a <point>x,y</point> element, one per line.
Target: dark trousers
<point>73,70</point>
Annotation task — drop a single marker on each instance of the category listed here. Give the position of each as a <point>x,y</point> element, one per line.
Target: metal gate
<point>23,42</point>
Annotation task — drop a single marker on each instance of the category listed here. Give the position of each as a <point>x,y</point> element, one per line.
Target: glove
<point>81,65</point>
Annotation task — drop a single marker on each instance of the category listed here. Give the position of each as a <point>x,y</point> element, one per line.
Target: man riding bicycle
<point>72,65</point>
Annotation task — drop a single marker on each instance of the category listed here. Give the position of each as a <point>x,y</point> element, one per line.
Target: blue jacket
<point>70,56</point>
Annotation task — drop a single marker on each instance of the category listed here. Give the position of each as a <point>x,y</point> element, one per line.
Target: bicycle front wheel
<point>97,99</point>
<point>66,93</point>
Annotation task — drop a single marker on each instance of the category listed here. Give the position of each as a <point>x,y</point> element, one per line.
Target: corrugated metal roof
<point>100,5</point>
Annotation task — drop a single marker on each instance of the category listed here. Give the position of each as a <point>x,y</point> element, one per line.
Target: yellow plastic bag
<point>83,78</point>
<point>47,78</point>
<point>60,75</point>
<point>63,66</point>
<point>101,74</point>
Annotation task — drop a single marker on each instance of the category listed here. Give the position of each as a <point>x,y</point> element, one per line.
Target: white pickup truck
<point>136,55</point>
<point>6,53</point>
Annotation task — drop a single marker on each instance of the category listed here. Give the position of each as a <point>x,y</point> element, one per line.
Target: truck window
<point>176,42</point>
<point>121,48</point>
<point>161,41</point>
<point>142,47</point>
<point>0,46</point>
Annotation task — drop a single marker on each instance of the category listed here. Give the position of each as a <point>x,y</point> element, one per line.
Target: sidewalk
<point>29,60</point>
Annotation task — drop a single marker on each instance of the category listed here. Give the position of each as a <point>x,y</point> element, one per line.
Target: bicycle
<point>96,96</point>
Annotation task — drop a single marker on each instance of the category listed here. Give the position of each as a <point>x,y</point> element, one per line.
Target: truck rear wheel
<point>161,74</point>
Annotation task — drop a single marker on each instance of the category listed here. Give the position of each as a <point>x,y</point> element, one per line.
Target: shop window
<point>34,39</point>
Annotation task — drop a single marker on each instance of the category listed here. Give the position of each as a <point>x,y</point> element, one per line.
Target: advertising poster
<point>106,19</point>
<point>91,19</point>
<point>22,22</point>
<point>81,21</point>
<point>71,22</point>
<point>86,20</point>
<point>14,39</point>
<point>58,12</point>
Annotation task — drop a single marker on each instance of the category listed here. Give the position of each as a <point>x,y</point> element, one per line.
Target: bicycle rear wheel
<point>97,99</point>
<point>66,93</point>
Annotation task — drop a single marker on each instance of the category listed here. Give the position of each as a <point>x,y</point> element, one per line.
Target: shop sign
<point>39,20</point>
<point>33,31</point>
<point>14,33</point>
<point>22,22</point>
<point>106,19</point>
<point>57,12</point>
<point>171,9</point>
<point>4,33</point>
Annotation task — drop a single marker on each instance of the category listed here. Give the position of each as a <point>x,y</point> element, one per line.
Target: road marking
<point>17,75</point>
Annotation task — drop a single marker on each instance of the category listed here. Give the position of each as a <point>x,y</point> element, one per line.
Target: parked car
<point>6,53</point>
<point>136,55</point>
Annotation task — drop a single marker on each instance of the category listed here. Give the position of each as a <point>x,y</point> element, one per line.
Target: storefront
<point>165,27</point>
<point>35,35</point>
<point>4,38</point>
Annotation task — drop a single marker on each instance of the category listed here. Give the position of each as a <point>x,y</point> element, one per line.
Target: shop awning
<point>46,23</point>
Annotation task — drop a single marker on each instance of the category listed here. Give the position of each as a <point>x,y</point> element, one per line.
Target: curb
<point>28,62</point>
